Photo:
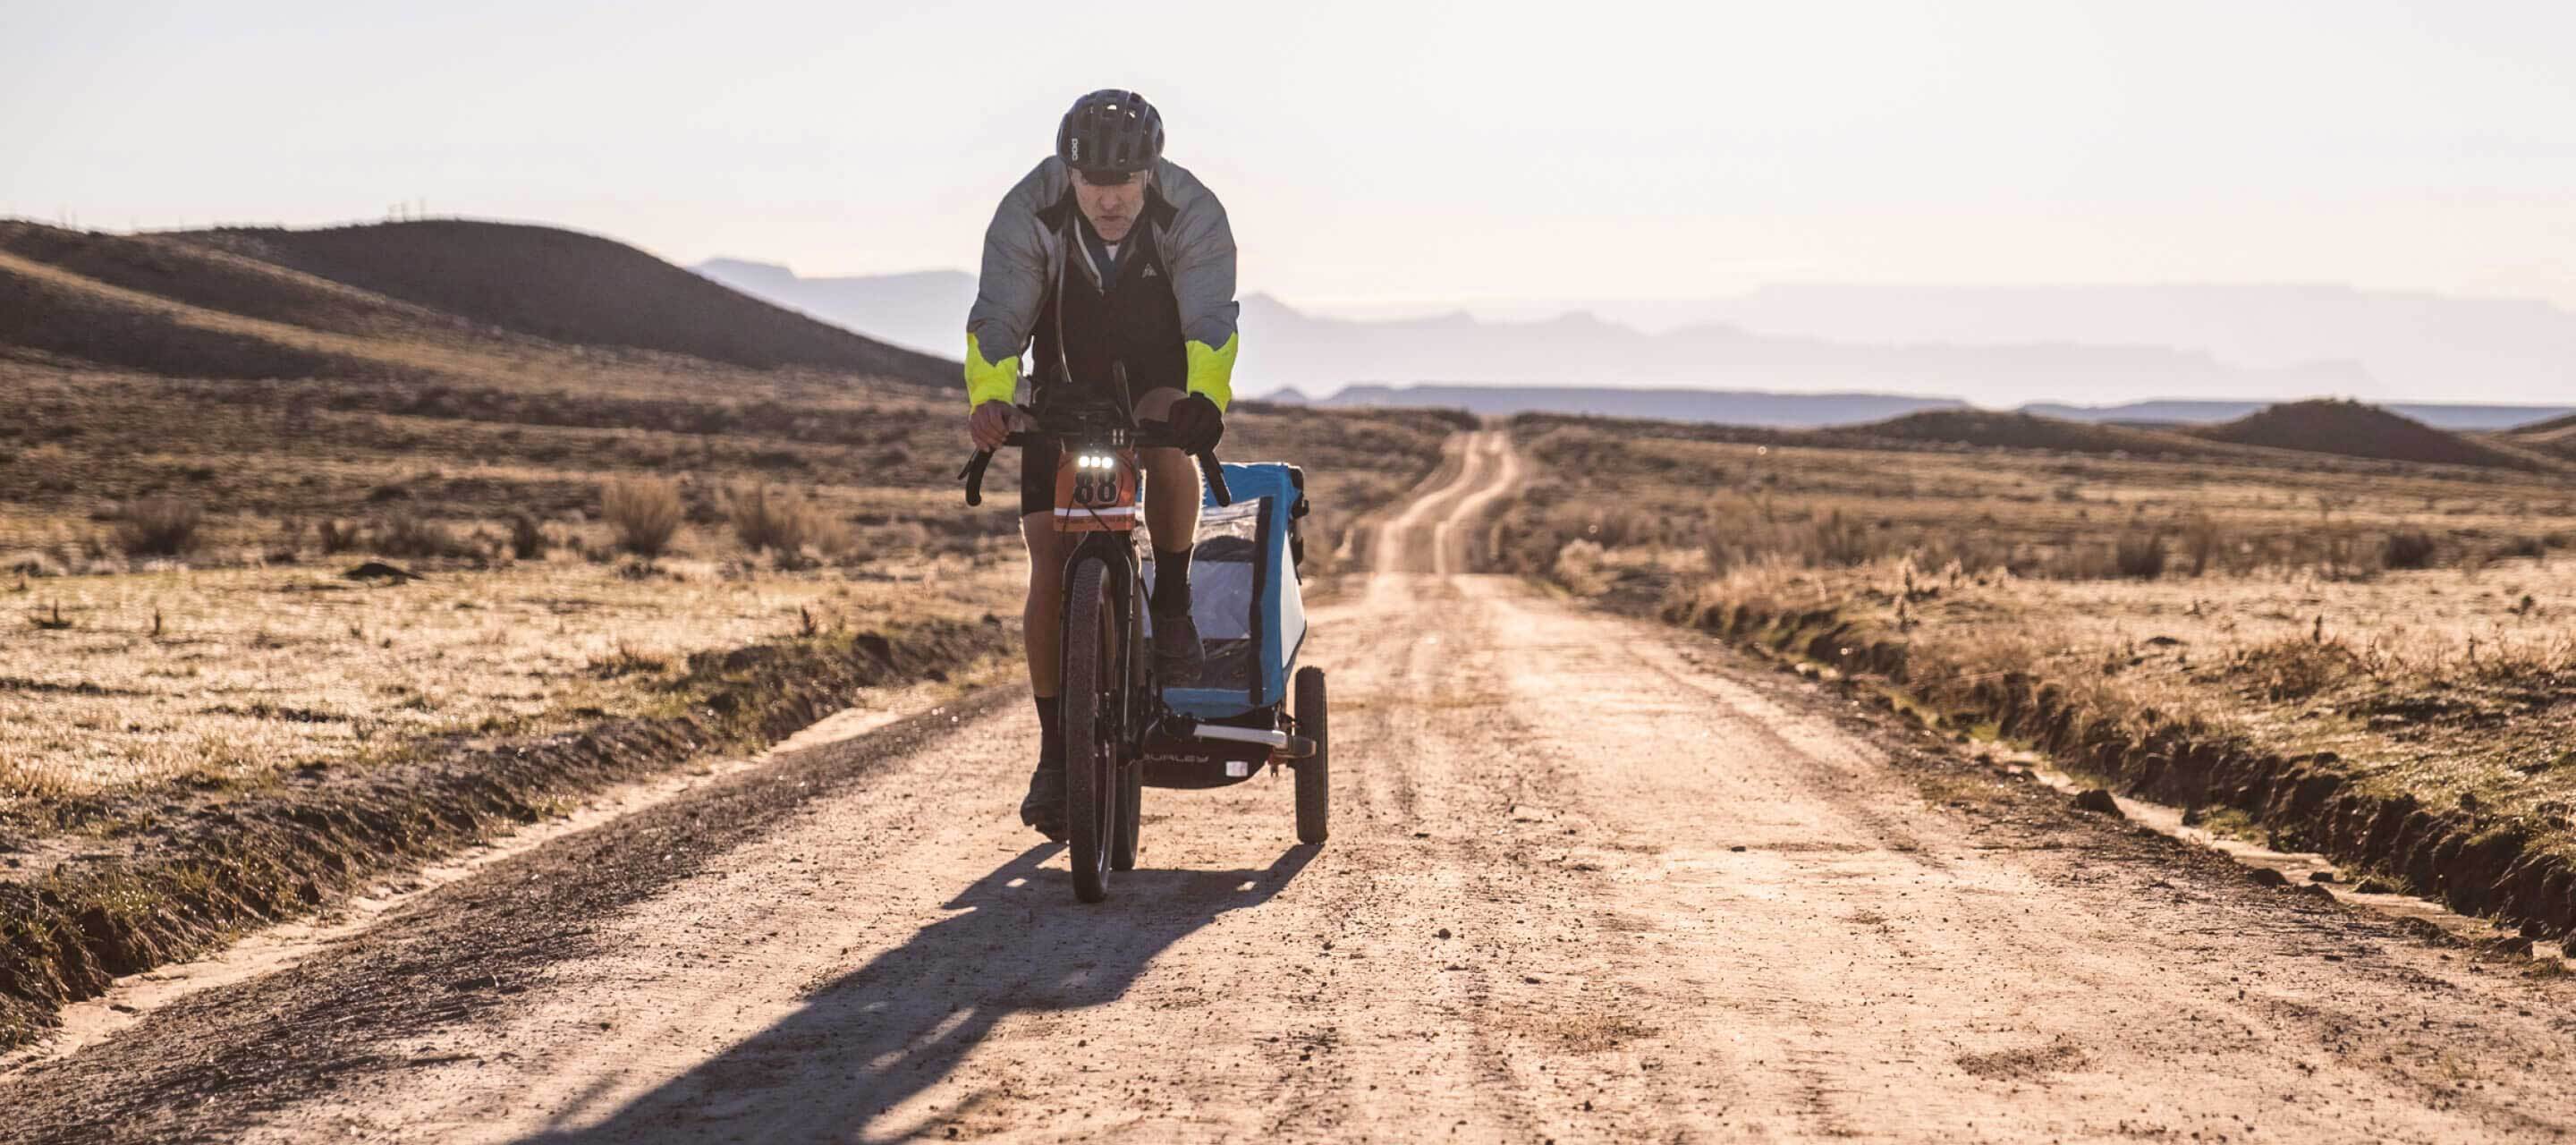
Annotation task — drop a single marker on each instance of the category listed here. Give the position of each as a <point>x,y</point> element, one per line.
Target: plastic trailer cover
<point>1244,594</point>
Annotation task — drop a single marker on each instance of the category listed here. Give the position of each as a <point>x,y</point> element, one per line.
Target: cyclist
<point>1106,254</point>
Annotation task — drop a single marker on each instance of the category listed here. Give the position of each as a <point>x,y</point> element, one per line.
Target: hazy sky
<point>1369,151</point>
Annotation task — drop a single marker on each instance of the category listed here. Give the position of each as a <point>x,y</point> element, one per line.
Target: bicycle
<point>1123,730</point>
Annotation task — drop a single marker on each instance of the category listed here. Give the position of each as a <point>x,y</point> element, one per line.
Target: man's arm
<point>1010,291</point>
<point>1202,261</point>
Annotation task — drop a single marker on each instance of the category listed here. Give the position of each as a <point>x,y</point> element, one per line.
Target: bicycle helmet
<point>1110,135</point>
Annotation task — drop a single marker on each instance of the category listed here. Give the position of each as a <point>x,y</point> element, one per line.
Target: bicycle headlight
<point>1095,461</point>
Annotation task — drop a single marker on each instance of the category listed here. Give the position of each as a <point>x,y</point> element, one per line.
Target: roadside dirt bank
<point>1592,879</point>
<point>201,875</point>
<point>2474,865</point>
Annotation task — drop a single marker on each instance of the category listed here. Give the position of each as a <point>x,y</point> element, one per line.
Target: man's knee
<point>1172,473</point>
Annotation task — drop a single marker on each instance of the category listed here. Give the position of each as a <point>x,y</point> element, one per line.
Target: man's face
<point>1112,209</point>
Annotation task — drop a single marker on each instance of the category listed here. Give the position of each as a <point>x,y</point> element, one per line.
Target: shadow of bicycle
<point>872,1039</point>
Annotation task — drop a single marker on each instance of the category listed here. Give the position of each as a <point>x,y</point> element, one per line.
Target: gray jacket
<point>1023,253</point>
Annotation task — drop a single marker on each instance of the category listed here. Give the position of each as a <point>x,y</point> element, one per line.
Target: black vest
<point>1134,319</point>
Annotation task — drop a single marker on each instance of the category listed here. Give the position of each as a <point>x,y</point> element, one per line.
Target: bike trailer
<point>1244,595</point>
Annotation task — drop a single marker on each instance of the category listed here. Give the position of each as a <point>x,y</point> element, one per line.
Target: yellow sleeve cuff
<point>989,381</point>
<point>1212,371</point>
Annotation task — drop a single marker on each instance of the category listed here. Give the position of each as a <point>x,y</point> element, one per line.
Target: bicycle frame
<point>1110,670</point>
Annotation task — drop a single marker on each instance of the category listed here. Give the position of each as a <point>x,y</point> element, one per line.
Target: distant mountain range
<point>2402,345</point>
<point>1730,407</point>
<point>1819,411</point>
<point>927,311</point>
<point>923,311</point>
<point>2442,415</point>
<point>2184,354</point>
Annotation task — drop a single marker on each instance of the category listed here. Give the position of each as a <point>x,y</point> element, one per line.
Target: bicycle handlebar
<point>973,474</point>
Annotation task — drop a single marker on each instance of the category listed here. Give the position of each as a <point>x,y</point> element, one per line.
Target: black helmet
<point>1110,132</point>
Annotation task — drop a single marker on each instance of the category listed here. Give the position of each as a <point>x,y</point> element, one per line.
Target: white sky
<point>1369,151</point>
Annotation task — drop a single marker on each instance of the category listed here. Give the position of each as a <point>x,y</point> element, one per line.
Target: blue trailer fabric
<point>1244,595</point>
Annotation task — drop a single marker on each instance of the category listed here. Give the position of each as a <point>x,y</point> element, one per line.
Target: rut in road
<point>1591,879</point>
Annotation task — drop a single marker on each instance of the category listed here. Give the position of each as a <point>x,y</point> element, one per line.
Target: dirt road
<point>1590,880</point>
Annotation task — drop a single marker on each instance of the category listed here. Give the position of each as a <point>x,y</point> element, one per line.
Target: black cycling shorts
<point>1037,470</point>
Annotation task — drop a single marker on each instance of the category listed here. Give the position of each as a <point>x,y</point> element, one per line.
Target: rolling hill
<point>2028,431</point>
<point>2358,429</point>
<point>571,288</point>
<point>472,303</point>
<point>2555,437</point>
<point>2440,415</point>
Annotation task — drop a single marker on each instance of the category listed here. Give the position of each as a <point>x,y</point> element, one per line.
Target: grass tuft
<point>410,535</point>
<point>643,512</point>
<point>2408,549</point>
<point>158,527</point>
<point>2139,555</point>
<point>767,520</point>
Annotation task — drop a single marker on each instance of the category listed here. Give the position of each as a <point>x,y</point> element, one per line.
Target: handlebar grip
<point>973,475</point>
<point>1215,474</point>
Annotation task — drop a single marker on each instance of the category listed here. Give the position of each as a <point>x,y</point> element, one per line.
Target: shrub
<point>407,535</point>
<point>290,542</point>
<point>644,512</point>
<point>2536,548</point>
<point>157,527</point>
<point>335,537</point>
<point>528,541</point>
<point>1841,542</point>
<point>1578,567</point>
<point>2202,540</point>
<point>764,519</point>
<point>2139,555</point>
<point>2407,549</point>
<point>2295,668</point>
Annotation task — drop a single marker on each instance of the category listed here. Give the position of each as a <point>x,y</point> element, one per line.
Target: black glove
<point>1197,425</point>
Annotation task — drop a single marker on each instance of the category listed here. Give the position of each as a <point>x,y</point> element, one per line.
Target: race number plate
<point>1095,499</point>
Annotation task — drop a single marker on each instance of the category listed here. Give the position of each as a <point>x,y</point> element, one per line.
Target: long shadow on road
<point>876,1037</point>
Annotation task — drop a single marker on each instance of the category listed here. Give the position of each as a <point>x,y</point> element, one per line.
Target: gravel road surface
<point>1590,880</point>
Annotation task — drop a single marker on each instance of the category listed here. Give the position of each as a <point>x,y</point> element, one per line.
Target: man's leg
<point>1043,614</point>
<point>1172,512</point>
<point>1040,621</point>
<point>1172,495</point>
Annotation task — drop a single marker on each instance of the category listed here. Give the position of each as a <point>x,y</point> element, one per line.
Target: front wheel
<point>1315,772</point>
<point>1092,721</point>
<point>1131,811</point>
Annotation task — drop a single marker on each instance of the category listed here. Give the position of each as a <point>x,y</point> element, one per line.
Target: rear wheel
<point>1315,772</point>
<point>1091,725</point>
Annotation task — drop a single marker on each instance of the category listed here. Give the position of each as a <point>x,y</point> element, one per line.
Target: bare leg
<point>1172,498</point>
<point>1172,481</point>
<point>1046,600</point>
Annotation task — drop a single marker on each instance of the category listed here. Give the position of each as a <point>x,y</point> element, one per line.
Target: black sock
<point>1050,727</point>
<point>1171,581</point>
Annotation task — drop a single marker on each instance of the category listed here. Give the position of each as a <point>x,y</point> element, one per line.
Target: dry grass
<point>2438,684</point>
<point>2419,624</point>
<point>258,671</point>
<point>774,521</point>
<point>158,527</point>
<point>2058,516</point>
<point>643,512</point>
<point>528,539</point>
<point>409,535</point>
